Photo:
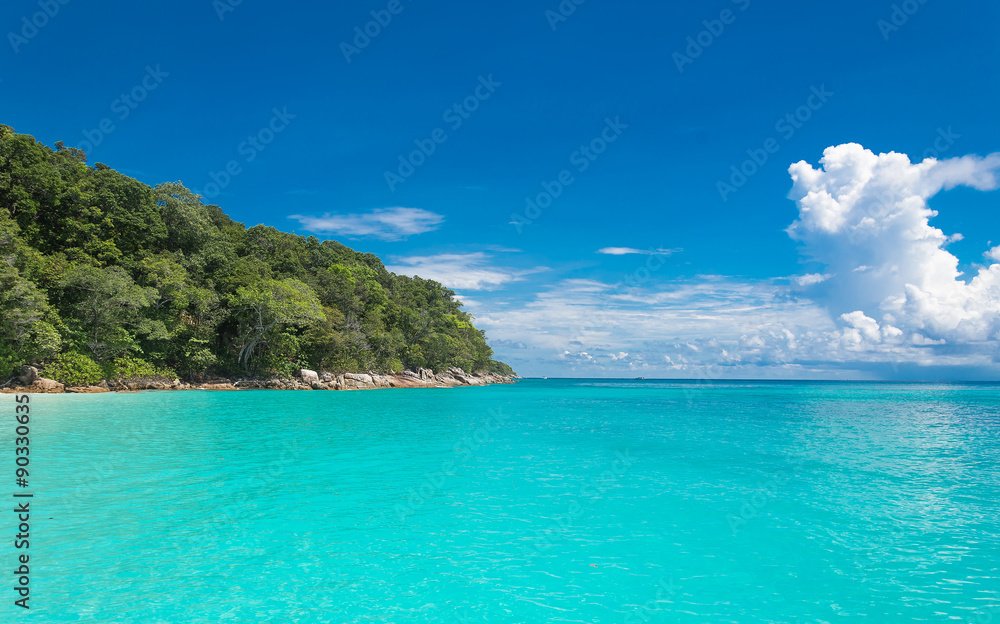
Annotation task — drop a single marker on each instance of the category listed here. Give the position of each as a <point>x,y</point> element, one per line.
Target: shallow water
<point>558,500</point>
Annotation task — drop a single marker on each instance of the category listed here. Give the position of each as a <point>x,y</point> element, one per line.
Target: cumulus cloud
<point>383,223</point>
<point>866,217</point>
<point>469,271</point>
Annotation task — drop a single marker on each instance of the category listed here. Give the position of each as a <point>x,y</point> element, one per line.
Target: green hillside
<point>104,276</point>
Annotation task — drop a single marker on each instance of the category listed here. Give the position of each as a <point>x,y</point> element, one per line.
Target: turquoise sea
<point>545,501</point>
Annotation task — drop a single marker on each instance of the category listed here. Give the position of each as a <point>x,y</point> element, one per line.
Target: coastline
<point>30,383</point>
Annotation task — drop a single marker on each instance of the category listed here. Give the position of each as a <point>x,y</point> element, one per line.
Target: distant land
<point>105,278</point>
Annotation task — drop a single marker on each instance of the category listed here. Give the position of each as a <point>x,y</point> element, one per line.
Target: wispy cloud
<point>889,302</point>
<point>384,223</point>
<point>470,271</point>
<point>624,251</point>
<point>811,278</point>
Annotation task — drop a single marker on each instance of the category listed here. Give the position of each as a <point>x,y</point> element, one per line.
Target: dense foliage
<point>102,275</point>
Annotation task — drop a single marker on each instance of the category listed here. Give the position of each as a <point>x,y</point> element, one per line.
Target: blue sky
<point>312,120</point>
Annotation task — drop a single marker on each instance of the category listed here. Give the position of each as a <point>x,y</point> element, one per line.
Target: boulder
<point>327,377</point>
<point>218,386</point>
<point>308,376</point>
<point>382,381</point>
<point>446,379</point>
<point>46,385</point>
<point>361,378</point>
<point>87,390</point>
<point>28,375</point>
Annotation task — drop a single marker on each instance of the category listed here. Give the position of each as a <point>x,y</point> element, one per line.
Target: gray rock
<point>360,378</point>
<point>327,377</point>
<point>308,376</point>
<point>28,375</point>
<point>47,384</point>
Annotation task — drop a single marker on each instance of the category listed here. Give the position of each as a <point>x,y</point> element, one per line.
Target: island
<point>107,283</point>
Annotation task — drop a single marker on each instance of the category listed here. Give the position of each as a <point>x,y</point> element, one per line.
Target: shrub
<point>10,362</point>
<point>126,368</point>
<point>73,369</point>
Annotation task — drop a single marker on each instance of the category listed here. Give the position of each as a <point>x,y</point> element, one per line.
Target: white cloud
<point>867,218</point>
<point>470,271</point>
<point>598,328</point>
<point>624,251</point>
<point>384,223</point>
<point>811,278</point>
<point>890,295</point>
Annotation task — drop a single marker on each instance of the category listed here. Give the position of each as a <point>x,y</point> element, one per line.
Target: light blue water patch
<point>546,501</point>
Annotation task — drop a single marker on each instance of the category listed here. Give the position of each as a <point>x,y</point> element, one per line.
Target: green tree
<point>267,310</point>
<point>109,305</point>
<point>27,333</point>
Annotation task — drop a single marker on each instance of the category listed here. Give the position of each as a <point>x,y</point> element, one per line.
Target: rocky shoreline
<point>30,382</point>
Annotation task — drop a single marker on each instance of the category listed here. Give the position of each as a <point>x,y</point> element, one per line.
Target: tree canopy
<point>97,268</point>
